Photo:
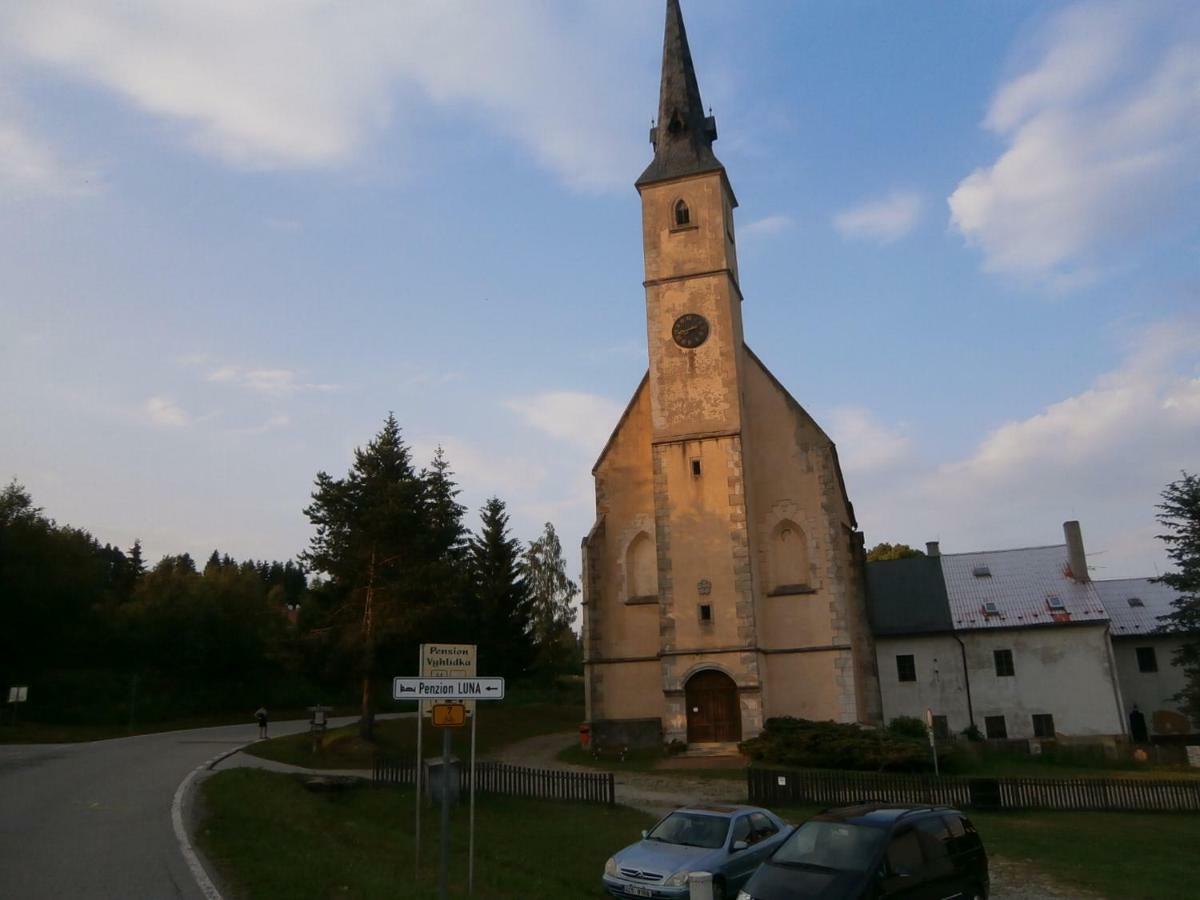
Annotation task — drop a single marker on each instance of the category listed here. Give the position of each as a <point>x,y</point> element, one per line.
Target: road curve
<point>92,821</point>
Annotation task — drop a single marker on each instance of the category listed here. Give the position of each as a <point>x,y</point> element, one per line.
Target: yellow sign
<point>449,715</point>
<point>447,661</point>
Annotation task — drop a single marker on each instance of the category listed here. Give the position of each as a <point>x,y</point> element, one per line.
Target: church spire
<point>683,135</point>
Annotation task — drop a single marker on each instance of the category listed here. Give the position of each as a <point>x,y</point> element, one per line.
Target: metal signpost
<point>932,740</point>
<point>446,691</point>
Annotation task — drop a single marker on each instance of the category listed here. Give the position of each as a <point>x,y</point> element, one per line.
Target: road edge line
<point>203,881</point>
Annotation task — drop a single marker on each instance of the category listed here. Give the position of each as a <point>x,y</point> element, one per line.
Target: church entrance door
<point>713,712</point>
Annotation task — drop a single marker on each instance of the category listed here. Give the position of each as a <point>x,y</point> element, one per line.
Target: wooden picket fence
<point>513,781</point>
<point>779,787</point>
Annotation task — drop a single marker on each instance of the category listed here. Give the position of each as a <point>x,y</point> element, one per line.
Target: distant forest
<point>103,637</point>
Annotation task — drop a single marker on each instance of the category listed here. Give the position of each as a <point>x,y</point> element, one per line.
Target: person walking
<point>261,715</point>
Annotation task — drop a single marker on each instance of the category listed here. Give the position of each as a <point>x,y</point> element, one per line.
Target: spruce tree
<point>500,620</point>
<point>1179,513</point>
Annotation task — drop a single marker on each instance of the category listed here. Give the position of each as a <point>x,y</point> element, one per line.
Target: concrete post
<point>700,886</point>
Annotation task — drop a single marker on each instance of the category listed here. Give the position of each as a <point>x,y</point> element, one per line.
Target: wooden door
<point>713,713</point>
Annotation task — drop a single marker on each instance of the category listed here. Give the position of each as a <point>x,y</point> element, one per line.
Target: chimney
<point>1075,555</point>
<point>932,549</point>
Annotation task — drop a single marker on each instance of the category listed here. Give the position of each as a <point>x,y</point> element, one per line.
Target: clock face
<point>690,330</point>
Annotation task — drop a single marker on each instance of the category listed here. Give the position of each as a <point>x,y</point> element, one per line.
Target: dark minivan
<point>876,850</point>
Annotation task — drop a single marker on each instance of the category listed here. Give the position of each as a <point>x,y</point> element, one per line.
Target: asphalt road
<point>92,821</point>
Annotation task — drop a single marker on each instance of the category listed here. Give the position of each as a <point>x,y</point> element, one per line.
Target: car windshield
<point>831,845</point>
<point>691,830</point>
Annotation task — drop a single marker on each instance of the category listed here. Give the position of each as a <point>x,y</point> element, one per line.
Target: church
<point>723,578</point>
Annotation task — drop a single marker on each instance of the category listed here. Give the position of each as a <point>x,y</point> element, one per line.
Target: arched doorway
<point>713,713</point>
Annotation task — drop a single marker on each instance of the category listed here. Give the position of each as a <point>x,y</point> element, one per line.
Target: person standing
<point>261,715</point>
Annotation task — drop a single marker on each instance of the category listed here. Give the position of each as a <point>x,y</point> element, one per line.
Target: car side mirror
<point>739,845</point>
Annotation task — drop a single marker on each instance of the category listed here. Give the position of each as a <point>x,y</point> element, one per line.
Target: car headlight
<point>742,895</point>
<point>678,879</point>
<point>610,867</point>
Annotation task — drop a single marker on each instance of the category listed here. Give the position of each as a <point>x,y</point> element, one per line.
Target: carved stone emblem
<point>704,586</point>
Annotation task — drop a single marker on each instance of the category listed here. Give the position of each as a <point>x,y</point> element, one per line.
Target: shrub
<point>973,734</point>
<point>830,745</point>
<point>908,726</point>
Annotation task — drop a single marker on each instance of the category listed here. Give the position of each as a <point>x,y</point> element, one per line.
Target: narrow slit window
<point>683,216</point>
<point>705,612</point>
<point>696,468</point>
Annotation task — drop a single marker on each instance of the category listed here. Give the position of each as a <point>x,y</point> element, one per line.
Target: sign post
<point>446,691</point>
<point>932,740</point>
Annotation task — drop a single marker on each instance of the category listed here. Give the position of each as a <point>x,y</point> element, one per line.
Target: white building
<point>1020,644</point>
<point>1144,655</point>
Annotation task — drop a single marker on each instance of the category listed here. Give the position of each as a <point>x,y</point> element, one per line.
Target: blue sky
<point>234,236</point>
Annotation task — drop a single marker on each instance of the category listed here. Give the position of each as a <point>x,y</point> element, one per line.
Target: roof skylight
<point>1054,603</point>
<point>1136,601</point>
<point>982,571</point>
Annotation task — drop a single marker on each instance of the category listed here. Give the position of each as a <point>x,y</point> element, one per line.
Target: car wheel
<point>977,893</point>
<point>718,888</point>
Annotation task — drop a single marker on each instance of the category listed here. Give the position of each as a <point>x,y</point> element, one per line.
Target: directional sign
<point>448,689</point>
<point>449,715</point>
<point>447,661</point>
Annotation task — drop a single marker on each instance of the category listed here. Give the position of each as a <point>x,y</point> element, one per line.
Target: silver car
<point>728,841</point>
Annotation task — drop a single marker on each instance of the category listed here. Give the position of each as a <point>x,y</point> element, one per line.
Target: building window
<point>906,667</point>
<point>1043,725</point>
<point>696,468</point>
<point>995,728</point>
<point>706,612</point>
<point>941,728</point>
<point>1147,659</point>
<point>683,216</point>
<point>1004,662</point>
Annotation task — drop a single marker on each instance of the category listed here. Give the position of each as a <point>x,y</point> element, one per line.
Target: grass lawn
<point>273,840</point>
<point>1015,765</point>
<point>41,733</point>
<point>644,761</point>
<point>1129,855</point>
<point>516,717</point>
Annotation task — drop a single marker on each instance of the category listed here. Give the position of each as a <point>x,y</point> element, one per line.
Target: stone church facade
<point>723,577</point>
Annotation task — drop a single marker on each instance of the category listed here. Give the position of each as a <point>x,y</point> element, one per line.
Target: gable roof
<point>1020,583</point>
<point>907,596</point>
<point>1157,600</point>
<point>621,421</point>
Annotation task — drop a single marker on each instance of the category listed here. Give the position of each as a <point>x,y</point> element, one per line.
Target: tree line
<point>100,636</point>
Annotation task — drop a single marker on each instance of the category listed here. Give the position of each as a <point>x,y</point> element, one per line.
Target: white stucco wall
<point>1150,691</point>
<point>1061,670</point>
<point>940,685</point>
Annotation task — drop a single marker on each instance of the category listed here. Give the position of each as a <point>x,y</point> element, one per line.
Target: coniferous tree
<point>370,542</point>
<point>501,610</point>
<point>551,593</point>
<point>1179,513</point>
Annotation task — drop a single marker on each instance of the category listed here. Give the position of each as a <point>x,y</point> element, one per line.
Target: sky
<point>234,236</point>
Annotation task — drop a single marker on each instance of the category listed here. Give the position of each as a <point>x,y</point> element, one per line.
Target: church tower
<point>722,579</point>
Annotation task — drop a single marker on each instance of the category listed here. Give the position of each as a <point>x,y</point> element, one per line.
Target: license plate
<point>634,891</point>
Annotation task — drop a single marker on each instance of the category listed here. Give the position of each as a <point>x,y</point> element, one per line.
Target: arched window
<point>683,215</point>
<point>788,559</point>
<point>641,569</point>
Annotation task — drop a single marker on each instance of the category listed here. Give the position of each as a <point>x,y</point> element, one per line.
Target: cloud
<point>1102,456</point>
<point>30,165</point>
<point>303,83</point>
<point>162,411</point>
<point>268,382</point>
<point>883,220</point>
<point>1103,133</point>
<point>864,443</point>
<point>585,420</point>
<point>768,225</point>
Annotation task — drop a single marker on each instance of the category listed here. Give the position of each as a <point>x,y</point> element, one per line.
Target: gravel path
<point>1012,879</point>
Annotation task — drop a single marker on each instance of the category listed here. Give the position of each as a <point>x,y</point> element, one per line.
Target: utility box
<point>440,777</point>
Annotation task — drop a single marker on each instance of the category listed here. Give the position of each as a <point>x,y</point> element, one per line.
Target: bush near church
<point>801,743</point>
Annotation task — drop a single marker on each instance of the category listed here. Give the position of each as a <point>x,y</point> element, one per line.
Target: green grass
<point>512,719</point>
<point>644,761</point>
<point>1128,855</point>
<point>273,840</point>
<point>1001,765</point>
<point>43,733</point>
